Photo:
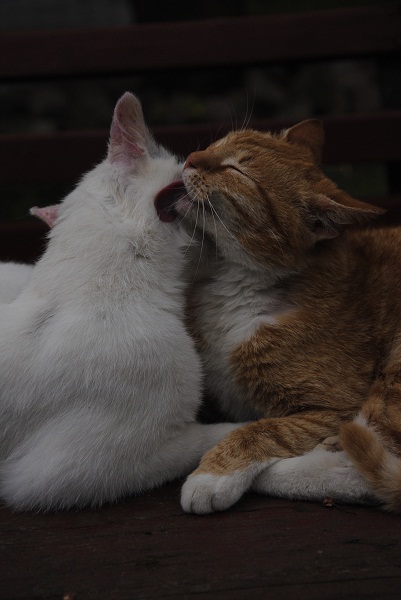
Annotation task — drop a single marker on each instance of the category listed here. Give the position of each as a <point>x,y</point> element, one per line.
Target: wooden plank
<point>51,157</point>
<point>363,138</point>
<point>65,156</point>
<point>366,31</point>
<point>147,548</point>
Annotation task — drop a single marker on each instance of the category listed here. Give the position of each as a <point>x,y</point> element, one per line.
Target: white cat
<point>313,476</point>
<point>14,277</point>
<point>99,381</point>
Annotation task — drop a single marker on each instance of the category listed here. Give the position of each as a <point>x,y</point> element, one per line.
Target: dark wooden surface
<point>348,32</point>
<point>146,547</point>
<point>65,156</point>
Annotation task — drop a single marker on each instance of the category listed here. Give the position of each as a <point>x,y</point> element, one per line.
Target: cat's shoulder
<point>378,238</point>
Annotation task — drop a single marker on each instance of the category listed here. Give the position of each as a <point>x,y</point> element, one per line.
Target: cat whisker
<point>248,114</point>
<point>194,229</point>
<point>215,137</point>
<point>186,212</point>
<point>236,119</point>
<point>219,218</point>
<point>202,242</point>
<point>203,237</point>
<point>215,225</point>
<point>106,210</point>
<point>233,117</point>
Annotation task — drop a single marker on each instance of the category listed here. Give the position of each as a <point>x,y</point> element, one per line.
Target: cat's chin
<point>167,198</point>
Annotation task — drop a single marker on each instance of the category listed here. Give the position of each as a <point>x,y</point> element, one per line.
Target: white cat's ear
<point>327,218</point>
<point>48,214</point>
<point>129,136</point>
<point>308,134</point>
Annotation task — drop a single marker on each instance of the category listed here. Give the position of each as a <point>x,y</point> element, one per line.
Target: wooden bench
<point>220,43</point>
<point>146,547</point>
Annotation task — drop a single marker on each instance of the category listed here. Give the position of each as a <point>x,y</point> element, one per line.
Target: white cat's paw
<point>205,493</point>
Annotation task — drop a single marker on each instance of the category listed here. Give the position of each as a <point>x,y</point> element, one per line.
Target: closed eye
<point>238,170</point>
<point>233,168</point>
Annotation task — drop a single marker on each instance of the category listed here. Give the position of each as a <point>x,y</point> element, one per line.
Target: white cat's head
<point>115,202</point>
<point>139,167</point>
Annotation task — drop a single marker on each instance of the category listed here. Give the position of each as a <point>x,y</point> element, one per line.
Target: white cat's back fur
<point>14,277</point>
<point>99,380</point>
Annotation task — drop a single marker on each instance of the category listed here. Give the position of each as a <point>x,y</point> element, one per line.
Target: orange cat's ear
<point>308,134</point>
<point>327,218</point>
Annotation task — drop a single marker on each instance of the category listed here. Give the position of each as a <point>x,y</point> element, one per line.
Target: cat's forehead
<point>247,139</point>
<point>256,147</point>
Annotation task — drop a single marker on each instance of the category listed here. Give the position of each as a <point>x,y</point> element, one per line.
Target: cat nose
<point>190,162</point>
<point>194,160</point>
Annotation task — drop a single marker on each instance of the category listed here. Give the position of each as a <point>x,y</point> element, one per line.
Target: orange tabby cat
<point>297,315</point>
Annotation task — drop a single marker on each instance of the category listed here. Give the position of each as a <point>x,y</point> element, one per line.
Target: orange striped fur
<point>296,311</point>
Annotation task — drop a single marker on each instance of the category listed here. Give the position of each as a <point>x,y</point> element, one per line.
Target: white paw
<point>314,476</point>
<point>205,493</point>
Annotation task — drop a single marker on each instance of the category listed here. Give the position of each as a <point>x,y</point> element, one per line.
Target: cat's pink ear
<point>328,218</point>
<point>129,136</point>
<point>308,134</point>
<point>48,214</point>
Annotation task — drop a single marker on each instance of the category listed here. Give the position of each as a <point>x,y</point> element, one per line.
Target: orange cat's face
<point>263,199</point>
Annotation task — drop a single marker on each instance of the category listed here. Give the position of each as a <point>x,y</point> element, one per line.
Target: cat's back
<point>377,242</point>
<point>14,277</point>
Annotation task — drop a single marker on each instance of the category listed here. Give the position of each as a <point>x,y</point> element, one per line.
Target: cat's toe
<point>197,493</point>
<point>205,493</point>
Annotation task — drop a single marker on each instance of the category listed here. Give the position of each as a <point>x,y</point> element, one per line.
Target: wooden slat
<point>65,156</point>
<point>50,157</point>
<point>363,137</point>
<point>365,31</point>
<point>261,549</point>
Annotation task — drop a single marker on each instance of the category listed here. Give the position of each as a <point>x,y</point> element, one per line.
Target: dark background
<point>282,92</point>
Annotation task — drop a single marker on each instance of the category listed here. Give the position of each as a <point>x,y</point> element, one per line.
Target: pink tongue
<point>166,199</point>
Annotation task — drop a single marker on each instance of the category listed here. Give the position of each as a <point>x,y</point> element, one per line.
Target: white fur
<point>317,475</point>
<point>234,303</point>
<point>204,493</point>
<point>14,277</point>
<point>99,381</point>
<point>361,420</point>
